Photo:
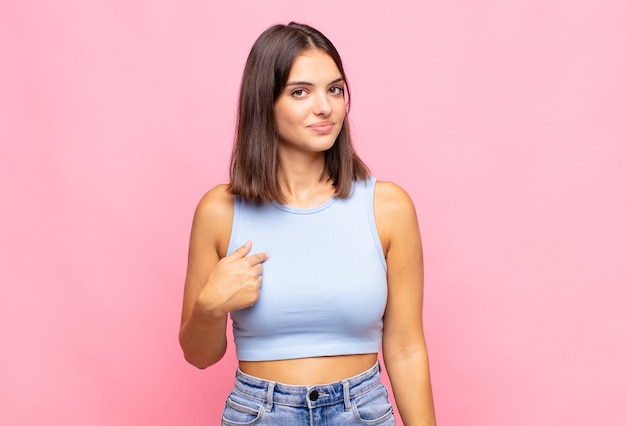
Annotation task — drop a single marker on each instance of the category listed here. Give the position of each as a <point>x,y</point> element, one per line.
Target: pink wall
<point>504,120</point>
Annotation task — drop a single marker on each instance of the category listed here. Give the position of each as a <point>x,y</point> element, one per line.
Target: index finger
<point>257,258</point>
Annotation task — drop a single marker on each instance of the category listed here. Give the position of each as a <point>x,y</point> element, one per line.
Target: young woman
<point>317,263</point>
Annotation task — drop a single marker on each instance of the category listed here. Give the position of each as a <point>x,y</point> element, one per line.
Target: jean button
<point>313,395</point>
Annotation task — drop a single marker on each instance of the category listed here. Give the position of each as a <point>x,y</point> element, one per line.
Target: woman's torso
<point>302,370</point>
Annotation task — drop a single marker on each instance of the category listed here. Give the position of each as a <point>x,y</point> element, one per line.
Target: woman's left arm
<point>404,345</point>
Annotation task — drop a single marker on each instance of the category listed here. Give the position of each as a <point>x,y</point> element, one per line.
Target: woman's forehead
<point>313,66</point>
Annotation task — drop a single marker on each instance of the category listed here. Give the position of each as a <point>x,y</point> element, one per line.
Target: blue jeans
<point>359,400</point>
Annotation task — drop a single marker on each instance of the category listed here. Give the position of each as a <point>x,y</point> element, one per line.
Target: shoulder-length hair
<point>254,160</point>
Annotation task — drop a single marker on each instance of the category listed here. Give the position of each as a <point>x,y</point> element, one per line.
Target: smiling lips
<point>322,128</point>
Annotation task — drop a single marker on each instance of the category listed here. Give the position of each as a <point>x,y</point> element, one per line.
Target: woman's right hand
<point>234,283</point>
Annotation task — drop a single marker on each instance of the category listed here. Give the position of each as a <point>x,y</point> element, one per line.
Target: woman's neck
<point>304,183</point>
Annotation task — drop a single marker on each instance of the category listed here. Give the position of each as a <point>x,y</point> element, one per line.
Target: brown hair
<point>254,161</point>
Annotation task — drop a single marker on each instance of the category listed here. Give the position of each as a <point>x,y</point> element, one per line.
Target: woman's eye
<point>298,93</point>
<point>336,90</point>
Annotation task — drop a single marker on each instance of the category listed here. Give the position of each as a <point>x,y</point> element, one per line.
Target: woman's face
<point>310,111</point>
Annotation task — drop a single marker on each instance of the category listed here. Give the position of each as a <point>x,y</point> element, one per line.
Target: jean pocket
<point>240,410</point>
<point>374,408</point>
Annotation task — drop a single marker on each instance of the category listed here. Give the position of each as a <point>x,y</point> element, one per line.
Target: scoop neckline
<point>308,210</point>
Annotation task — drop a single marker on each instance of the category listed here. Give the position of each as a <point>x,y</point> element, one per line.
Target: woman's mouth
<point>323,127</point>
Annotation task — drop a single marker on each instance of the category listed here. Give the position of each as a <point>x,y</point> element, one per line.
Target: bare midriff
<point>310,371</point>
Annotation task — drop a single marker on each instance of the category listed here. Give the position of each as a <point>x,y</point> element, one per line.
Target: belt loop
<point>346,395</point>
<point>270,396</point>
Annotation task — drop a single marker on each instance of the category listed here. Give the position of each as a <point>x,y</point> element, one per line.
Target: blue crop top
<point>324,286</point>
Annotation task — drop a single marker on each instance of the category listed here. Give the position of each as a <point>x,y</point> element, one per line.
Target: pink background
<point>505,121</point>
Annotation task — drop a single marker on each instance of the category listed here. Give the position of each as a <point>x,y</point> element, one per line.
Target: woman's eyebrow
<point>306,83</point>
<point>335,81</point>
<point>299,83</point>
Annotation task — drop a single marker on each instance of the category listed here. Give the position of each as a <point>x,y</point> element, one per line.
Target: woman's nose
<point>322,105</point>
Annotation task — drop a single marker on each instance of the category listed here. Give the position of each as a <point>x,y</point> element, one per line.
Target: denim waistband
<point>307,396</point>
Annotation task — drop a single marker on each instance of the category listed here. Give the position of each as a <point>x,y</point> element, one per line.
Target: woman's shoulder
<point>394,211</point>
<point>213,217</point>
<point>215,207</point>
<point>391,195</point>
<point>216,201</point>
<point>392,205</point>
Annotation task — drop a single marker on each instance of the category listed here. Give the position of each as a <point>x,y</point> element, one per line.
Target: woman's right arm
<point>215,283</point>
